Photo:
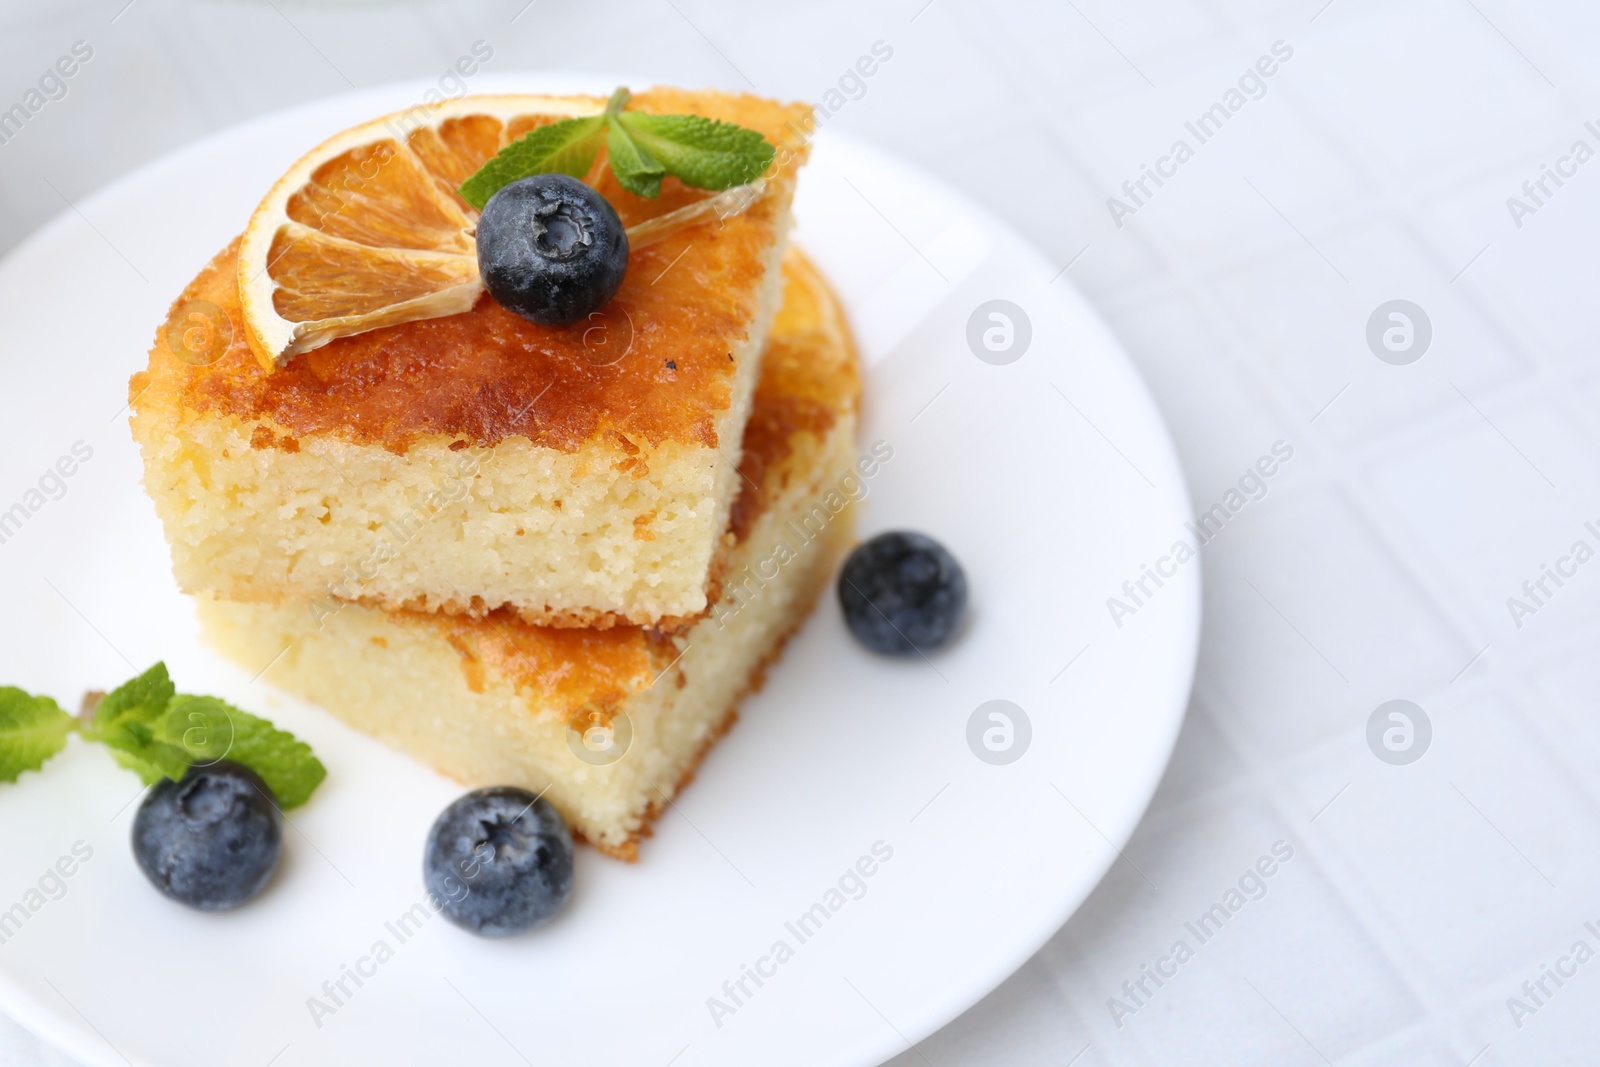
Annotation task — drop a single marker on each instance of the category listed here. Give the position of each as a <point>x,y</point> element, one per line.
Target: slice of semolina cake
<point>578,475</point>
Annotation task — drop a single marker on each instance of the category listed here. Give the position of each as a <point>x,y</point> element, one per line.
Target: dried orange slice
<point>366,230</point>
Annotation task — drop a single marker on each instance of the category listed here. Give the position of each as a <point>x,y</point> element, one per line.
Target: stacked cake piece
<point>552,557</point>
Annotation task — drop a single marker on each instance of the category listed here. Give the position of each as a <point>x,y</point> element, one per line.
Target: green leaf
<point>207,729</point>
<point>126,721</point>
<point>565,147</point>
<point>701,152</point>
<point>32,729</point>
<point>636,169</point>
<point>143,698</point>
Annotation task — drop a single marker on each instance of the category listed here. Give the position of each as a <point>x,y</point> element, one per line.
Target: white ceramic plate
<point>1051,478</point>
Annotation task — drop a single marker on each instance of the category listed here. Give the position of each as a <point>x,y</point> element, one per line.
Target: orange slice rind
<point>366,230</point>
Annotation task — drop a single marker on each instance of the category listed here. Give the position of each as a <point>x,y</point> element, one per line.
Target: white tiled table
<point>1375,166</point>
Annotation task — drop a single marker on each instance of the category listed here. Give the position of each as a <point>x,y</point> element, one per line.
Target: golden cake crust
<point>488,375</point>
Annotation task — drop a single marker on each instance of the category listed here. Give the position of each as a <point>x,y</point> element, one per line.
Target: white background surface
<point>1420,497</point>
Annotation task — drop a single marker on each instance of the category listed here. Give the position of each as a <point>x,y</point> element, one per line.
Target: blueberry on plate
<point>902,593</point>
<point>551,248</point>
<point>499,861</point>
<point>211,840</point>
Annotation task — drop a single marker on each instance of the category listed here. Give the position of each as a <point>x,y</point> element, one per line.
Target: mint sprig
<point>641,149</point>
<point>128,721</point>
<point>157,732</point>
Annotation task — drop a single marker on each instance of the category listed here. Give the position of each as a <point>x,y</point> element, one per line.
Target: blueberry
<point>499,861</point>
<point>551,249</point>
<point>902,593</point>
<point>212,840</point>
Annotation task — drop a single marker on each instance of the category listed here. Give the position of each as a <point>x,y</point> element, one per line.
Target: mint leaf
<point>143,698</point>
<point>641,150</point>
<point>157,732</point>
<point>699,151</point>
<point>32,729</point>
<point>636,169</point>
<point>565,147</point>
<point>207,729</point>
<point>126,722</point>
